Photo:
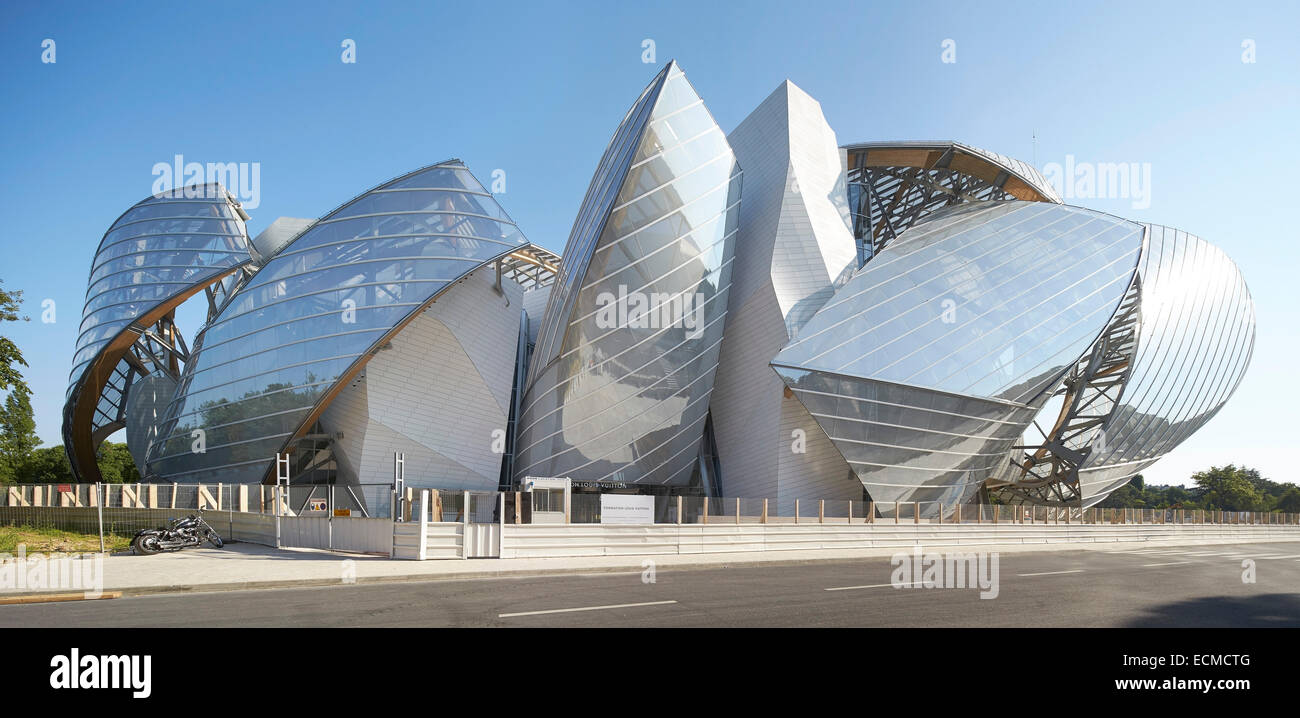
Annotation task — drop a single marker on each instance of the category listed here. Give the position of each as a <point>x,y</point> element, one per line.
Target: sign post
<point>99,503</point>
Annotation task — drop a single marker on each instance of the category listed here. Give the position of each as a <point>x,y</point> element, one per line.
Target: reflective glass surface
<point>907,443</point>
<point>996,300</point>
<point>153,256</point>
<point>316,309</point>
<point>1196,338</point>
<point>620,383</point>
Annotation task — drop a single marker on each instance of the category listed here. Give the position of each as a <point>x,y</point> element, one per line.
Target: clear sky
<point>536,89</point>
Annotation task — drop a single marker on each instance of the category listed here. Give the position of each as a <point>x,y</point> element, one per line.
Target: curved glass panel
<point>620,384</point>
<point>926,367</point>
<point>316,309</point>
<point>996,301</point>
<point>1196,338</point>
<point>157,253</point>
<point>908,443</point>
<point>588,225</point>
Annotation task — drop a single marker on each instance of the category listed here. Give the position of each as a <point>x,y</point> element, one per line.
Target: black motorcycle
<point>176,535</point>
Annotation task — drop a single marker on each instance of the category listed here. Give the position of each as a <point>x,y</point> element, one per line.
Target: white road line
<point>584,608</point>
<point>874,585</point>
<point>1175,563</point>
<point>1294,555</point>
<point>1051,573</point>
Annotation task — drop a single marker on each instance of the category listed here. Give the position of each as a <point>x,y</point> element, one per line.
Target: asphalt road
<point>1173,586</point>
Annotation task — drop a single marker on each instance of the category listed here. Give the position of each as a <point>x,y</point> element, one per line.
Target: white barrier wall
<point>539,541</point>
<point>340,533</point>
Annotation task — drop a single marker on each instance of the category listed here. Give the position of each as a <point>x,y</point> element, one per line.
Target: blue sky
<point>536,89</point>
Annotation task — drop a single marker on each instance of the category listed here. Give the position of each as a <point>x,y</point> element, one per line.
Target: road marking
<point>1175,563</point>
<point>584,608</point>
<point>1051,573</point>
<point>874,585</point>
<point>1294,555</point>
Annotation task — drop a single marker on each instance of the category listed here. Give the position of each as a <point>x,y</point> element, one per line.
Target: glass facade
<point>316,310</point>
<point>996,300</point>
<point>620,381</point>
<point>933,359</point>
<point>1196,339</point>
<point>158,253</point>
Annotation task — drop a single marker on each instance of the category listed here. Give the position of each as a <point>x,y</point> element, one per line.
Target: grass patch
<point>50,540</point>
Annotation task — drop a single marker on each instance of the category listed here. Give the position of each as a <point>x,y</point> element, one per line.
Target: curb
<point>55,597</point>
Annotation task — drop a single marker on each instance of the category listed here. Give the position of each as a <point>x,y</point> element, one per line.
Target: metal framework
<point>531,267</point>
<point>893,185</point>
<point>159,347</point>
<point>1048,473</point>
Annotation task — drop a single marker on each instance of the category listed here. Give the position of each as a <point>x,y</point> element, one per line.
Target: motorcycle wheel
<point>145,545</point>
<point>215,540</point>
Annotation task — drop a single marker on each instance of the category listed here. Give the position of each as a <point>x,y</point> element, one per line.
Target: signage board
<point>627,509</point>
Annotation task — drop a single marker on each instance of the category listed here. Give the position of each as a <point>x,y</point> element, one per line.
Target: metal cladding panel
<point>793,245</point>
<point>910,443</point>
<point>1196,339</point>
<point>986,304</point>
<point>620,382</point>
<point>277,236</point>
<point>156,254</point>
<point>317,311</point>
<point>445,421</point>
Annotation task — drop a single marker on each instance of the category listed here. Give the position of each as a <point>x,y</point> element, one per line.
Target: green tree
<point>1289,501</point>
<point>17,435</point>
<point>48,465</point>
<point>115,464</point>
<point>1229,488</point>
<point>1128,496</point>
<point>11,377</point>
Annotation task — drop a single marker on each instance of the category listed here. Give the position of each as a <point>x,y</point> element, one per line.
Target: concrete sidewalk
<point>246,566</point>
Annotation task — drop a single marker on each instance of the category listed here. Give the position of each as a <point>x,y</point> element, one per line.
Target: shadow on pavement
<point>242,551</point>
<point>1271,610</point>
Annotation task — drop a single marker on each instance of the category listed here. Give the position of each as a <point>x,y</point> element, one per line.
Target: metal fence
<point>383,501</point>
<point>585,508</point>
<point>366,500</point>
